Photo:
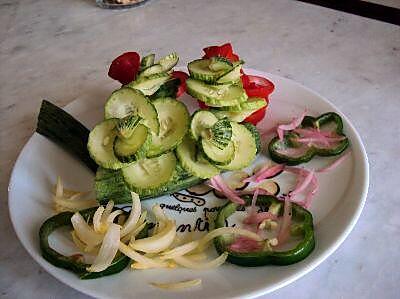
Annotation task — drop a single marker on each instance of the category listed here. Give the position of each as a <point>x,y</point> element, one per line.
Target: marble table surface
<point>59,50</point>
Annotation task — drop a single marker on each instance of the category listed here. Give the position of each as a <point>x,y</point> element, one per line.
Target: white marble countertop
<point>58,50</point>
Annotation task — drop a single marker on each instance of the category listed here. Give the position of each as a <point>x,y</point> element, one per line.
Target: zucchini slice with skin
<point>216,95</point>
<point>135,147</point>
<point>245,147</point>
<point>193,163</point>
<point>126,101</point>
<point>147,174</point>
<point>174,123</point>
<point>101,144</point>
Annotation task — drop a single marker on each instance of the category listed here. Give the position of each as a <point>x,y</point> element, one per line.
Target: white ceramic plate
<point>336,207</point>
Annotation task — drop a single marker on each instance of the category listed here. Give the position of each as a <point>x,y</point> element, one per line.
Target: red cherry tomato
<point>202,105</point>
<point>182,76</point>
<point>125,67</point>
<point>225,50</point>
<point>257,86</point>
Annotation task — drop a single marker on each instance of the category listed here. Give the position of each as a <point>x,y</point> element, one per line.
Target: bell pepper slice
<point>291,151</point>
<point>67,262</point>
<point>268,257</point>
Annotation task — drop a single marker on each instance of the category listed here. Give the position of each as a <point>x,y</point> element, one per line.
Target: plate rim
<point>259,291</point>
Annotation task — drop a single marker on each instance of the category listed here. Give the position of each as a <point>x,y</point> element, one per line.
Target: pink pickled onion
<point>284,230</point>
<point>311,132</point>
<point>253,211</point>
<point>257,218</point>
<point>335,163</point>
<point>305,179</point>
<point>218,183</point>
<point>290,126</point>
<point>244,244</point>
<point>265,173</point>
<point>302,184</point>
<point>261,191</point>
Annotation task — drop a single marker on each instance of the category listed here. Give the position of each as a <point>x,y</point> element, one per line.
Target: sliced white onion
<point>59,188</point>
<point>108,249</point>
<point>133,216</point>
<point>135,232</point>
<point>226,230</point>
<point>112,216</point>
<point>63,204</point>
<point>159,214</point>
<point>180,250</point>
<point>84,232</point>
<point>78,243</point>
<point>177,285</point>
<point>188,263</point>
<point>157,242</point>
<point>201,256</point>
<point>107,211</point>
<point>97,224</point>
<point>140,258</point>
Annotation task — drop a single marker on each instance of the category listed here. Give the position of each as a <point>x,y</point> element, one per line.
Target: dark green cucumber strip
<point>63,129</point>
<point>257,137</point>
<point>167,90</point>
<point>110,185</point>
<point>56,259</point>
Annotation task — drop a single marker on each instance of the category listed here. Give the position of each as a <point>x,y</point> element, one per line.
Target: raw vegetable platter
<point>335,207</point>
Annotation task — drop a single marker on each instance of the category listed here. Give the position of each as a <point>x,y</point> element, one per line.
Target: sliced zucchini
<point>245,148</point>
<point>135,147</point>
<point>221,133</point>
<point>127,125</point>
<point>151,70</point>
<point>174,123</point>
<point>149,84</point>
<point>147,61</point>
<point>253,104</point>
<point>231,77</point>
<point>216,95</point>
<point>220,64</point>
<point>126,101</point>
<point>147,174</point>
<point>201,120</point>
<point>200,69</point>
<point>215,154</point>
<point>100,144</point>
<point>256,135</point>
<point>191,162</point>
<point>167,90</point>
<point>110,185</point>
<point>169,61</point>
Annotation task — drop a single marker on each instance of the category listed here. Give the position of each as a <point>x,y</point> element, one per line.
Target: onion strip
<point>134,215</point>
<point>137,257</point>
<point>108,249</point>
<point>188,263</point>
<point>226,230</point>
<point>177,285</point>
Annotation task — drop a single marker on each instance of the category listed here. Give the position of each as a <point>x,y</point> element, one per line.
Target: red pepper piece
<point>125,67</point>
<point>182,76</point>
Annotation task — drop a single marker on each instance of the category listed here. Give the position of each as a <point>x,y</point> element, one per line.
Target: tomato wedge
<point>257,86</point>
<point>125,67</point>
<point>182,76</point>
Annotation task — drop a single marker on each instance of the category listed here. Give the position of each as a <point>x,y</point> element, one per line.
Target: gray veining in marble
<point>59,50</point>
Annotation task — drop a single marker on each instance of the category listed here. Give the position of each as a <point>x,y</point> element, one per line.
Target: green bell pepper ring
<point>53,257</point>
<point>296,153</point>
<point>269,257</point>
